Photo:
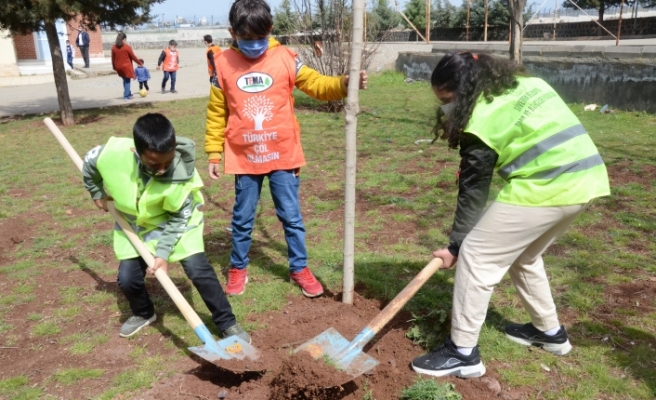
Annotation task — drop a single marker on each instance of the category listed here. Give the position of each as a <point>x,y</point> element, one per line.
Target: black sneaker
<point>174,91</point>
<point>447,360</point>
<point>236,330</point>
<point>529,335</point>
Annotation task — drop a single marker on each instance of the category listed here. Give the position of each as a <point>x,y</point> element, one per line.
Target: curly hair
<point>469,76</point>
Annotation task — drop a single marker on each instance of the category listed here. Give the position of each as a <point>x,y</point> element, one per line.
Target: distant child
<point>69,54</point>
<point>250,118</point>
<point>154,184</point>
<point>143,75</point>
<point>211,51</point>
<point>171,60</point>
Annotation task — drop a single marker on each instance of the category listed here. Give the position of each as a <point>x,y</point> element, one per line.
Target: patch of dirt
<point>279,375</point>
<point>627,171</point>
<point>15,232</point>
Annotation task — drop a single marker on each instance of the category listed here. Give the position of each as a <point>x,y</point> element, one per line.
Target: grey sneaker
<point>134,325</point>
<point>236,330</point>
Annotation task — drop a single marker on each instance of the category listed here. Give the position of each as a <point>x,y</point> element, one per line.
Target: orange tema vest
<point>262,134</point>
<point>210,66</point>
<point>170,63</point>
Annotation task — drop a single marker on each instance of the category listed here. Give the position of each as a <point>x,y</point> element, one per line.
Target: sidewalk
<point>40,96</point>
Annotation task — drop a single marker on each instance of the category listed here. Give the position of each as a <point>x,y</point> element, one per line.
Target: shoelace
<point>305,277</point>
<point>445,348</point>
<point>234,277</point>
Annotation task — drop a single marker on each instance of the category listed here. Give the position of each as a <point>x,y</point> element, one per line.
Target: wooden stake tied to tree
<point>516,8</point>
<point>352,109</point>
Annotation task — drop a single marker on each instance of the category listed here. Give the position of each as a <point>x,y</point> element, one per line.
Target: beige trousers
<point>508,238</point>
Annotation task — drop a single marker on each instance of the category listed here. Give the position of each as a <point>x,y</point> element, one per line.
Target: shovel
<point>231,348</point>
<point>348,356</point>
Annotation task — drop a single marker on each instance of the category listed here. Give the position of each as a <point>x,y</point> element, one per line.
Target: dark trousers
<point>131,275</point>
<point>173,75</point>
<point>69,60</point>
<point>85,55</point>
<point>143,84</point>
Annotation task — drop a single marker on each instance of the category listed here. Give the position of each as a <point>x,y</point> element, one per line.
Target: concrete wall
<point>8,60</point>
<point>186,37</point>
<point>623,77</point>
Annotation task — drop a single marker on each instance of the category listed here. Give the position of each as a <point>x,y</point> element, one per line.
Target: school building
<point>30,54</point>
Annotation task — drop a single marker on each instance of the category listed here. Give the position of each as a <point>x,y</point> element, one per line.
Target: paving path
<point>192,82</point>
<point>103,91</point>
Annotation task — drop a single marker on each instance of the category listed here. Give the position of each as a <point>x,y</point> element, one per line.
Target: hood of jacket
<point>184,163</point>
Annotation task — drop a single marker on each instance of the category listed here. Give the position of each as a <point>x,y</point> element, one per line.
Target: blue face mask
<point>253,48</point>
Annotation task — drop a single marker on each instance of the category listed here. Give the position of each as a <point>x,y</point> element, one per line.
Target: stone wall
<point>622,77</point>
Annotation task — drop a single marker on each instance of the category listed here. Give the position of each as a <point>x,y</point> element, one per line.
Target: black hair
<point>173,43</point>
<point>141,61</point>
<point>250,18</point>
<point>153,132</point>
<point>468,76</point>
<point>119,39</point>
<point>207,38</point>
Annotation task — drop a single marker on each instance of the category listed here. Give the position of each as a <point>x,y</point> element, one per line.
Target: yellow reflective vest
<point>545,154</point>
<point>148,213</point>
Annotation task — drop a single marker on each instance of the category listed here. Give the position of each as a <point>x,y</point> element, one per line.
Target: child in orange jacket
<point>169,61</point>
<point>250,118</point>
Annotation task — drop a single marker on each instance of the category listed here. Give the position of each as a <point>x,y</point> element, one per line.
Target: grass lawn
<point>603,270</point>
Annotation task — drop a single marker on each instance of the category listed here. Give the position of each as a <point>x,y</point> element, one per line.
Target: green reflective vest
<point>149,213</point>
<point>545,154</point>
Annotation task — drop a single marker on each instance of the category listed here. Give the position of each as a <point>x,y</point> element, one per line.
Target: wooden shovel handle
<point>190,315</point>
<point>406,294</point>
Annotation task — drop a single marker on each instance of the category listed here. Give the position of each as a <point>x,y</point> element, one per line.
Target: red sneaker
<point>310,286</point>
<point>237,279</point>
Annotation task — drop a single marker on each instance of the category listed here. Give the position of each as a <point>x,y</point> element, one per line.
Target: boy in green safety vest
<point>154,183</point>
<point>503,120</point>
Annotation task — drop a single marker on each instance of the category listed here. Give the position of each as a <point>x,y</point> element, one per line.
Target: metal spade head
<point>332,344</point>
<point>230,348</point>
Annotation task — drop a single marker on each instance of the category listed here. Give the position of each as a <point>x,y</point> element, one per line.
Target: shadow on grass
<point>631,349</point>
<point>156,290</point>
<point>94,113</point>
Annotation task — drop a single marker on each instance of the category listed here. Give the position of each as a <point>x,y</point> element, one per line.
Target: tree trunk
<point>516,8</point>
<point>59,72</point>
<point>352,109</point>
<point>602,8</point>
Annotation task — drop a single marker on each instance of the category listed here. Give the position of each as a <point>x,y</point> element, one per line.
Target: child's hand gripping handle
<point>186,310</point>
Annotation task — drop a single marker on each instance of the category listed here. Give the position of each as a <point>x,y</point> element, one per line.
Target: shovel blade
<point>331,343</point>
<point>230,348</point>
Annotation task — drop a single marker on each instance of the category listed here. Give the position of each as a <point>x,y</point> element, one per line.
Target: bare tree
<point>322,38</point>
<point>516,8</point>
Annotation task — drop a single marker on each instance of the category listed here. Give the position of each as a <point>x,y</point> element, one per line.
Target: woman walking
<point>503,120</point>
<point>122,57</point>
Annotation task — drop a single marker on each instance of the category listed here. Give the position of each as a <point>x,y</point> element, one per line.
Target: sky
<point>218,9</point>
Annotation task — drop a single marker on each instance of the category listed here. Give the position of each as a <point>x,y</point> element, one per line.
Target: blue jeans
<point>126,88</point>
<point>69,60</point>
<point>166,78</point>
<point>284,191</point>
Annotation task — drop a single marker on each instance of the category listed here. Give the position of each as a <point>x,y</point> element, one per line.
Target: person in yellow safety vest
<point>502,119</point>
<point>211,51</point>
<point>154,183</point>
<point>169,62</point>
<point>250,117</point>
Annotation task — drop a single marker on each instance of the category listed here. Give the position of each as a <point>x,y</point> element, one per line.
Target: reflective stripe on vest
<point>262,133</point>
<point>545,154</point>
<point>541,148</point>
